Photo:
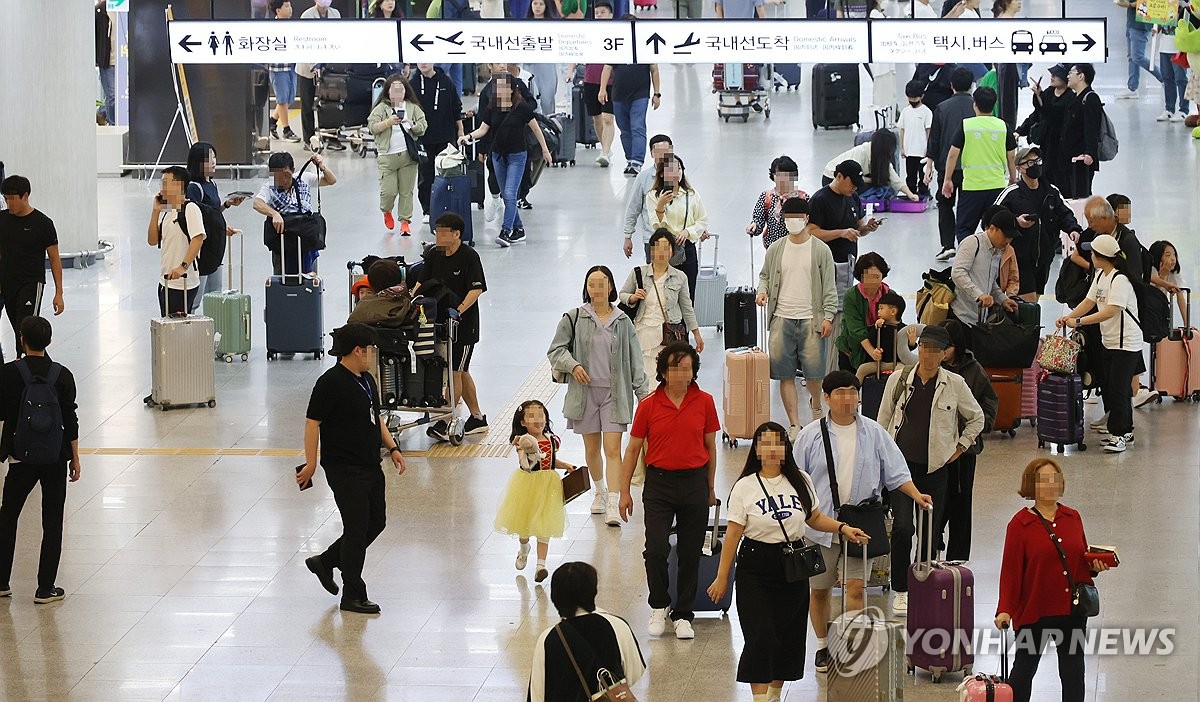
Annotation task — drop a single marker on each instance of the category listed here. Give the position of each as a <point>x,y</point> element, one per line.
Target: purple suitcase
<point>1060,411</point>
<point>941,612</point>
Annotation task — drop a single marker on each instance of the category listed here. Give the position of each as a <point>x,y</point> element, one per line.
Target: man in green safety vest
<point>989,161</point>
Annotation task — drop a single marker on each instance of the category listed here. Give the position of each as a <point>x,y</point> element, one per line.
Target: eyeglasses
<point>1026,164</point>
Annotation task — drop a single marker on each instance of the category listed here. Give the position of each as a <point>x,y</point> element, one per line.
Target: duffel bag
<point>999,342</point>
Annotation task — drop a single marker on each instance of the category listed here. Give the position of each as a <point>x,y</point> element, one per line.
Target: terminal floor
<point>185,539</point>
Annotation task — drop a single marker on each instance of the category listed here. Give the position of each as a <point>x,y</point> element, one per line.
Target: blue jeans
<point>454,71</point>
<point>509,169</point>
<point>631,120</point>
<point>1136,40</point>
<point>108,82</point>
<point>1174,80</point>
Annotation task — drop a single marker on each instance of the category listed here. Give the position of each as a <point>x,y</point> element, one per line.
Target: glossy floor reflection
<point>185,573</point>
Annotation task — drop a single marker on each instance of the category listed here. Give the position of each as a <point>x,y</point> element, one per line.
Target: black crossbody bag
<point>1085,598</point>
<point>867,515</point>
<point>798,563</point>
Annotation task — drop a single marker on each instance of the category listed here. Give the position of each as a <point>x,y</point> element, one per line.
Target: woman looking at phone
<point>397,121</point>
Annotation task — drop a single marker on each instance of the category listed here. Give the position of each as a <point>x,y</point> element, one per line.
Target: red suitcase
<point>941,611</point>
<point>1175,361</point>
<point>1008,384</point>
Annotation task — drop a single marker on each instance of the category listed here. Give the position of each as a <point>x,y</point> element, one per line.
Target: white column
<point>47,113</point>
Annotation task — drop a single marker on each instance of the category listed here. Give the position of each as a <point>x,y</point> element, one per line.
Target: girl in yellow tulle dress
<point>533,503</point>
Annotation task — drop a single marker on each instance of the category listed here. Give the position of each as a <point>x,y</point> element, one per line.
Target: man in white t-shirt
<point>177,229</point>
<point>796,285</point>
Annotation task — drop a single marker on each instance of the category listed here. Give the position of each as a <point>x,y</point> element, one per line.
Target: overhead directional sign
<point>989,40</point>
<point>516,41</point>
<point>751,41</point>
<point>283,41</point>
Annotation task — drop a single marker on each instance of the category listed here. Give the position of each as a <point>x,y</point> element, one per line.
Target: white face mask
<point>324,3</point>
<point>795,225</point>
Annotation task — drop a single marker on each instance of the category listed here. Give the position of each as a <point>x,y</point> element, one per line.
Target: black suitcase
<point>834,95</point>
<point>741,319</point>
<point>1060,411</point>
<point>294,311</point>
<point>710,561</point>
<point>585,129</point>
<point>789,72</point>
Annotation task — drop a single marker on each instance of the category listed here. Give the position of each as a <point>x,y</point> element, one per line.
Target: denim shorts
<point>796,343</point>
<point>284,85</point>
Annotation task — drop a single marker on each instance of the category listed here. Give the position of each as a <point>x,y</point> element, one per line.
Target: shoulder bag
<point>308,227</point>
<point>557,376</point>
<point>611,690</point>
<point>867,515</point>
<point>679,254</point>
<point>1085,598</point>
<point>798,563</point>
<point>631,309</point>
<point>672,332</point>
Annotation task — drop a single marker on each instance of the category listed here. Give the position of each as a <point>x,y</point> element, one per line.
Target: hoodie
<point>443,107</point>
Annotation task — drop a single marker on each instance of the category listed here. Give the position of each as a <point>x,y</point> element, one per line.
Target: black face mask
<point>915,104</point>
<point>1034,172</point>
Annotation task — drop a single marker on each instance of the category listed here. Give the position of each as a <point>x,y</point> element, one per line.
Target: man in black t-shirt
<point>631,95</point>
<point>343,418</point>
<point>27,237</point>
<point>835,214</point>
<point>458,268</point>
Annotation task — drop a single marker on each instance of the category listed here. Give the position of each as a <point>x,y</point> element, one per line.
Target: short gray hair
<point>1098,208</point>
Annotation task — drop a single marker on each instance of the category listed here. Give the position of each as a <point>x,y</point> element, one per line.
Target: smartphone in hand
<point>308,483</point>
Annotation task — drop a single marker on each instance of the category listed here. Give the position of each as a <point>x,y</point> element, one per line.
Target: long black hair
<point>1159,249</point>
<point>551,11</point>
<point>883,153</point>
<point>518,428</point>
<point>790,469</point>
<point>196,157</point>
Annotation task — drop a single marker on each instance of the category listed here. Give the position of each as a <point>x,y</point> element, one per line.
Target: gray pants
<point>213,282</point>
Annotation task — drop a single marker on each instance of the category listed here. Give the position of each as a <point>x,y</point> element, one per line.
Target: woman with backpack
<point>201,165</point>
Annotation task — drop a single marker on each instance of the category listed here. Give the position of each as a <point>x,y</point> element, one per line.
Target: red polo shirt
<point>1032,583</point>
<point>675,435</point>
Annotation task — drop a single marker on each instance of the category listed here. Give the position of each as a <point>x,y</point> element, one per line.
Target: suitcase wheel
<point>912,670</point>
<point>164,407</point>
<point>1082,446</point>
<point>245,357</point>
<point>227,358</point>
<point>1041,444</point>
<point>935,677</point>
<point>212,403</point>
<point>1062,448</point>
<point>456,433</point>
<point>270,355</point>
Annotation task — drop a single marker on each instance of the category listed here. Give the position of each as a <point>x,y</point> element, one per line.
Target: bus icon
<point>1022,42</point>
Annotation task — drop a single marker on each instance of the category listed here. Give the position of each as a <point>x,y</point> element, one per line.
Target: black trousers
<point>17,486</point>
<point>904,520</point>
<point>360,501</point>
<point>971,206</point>
<point>1075,180</point>
<point>1117,389</point>
<point>307,89</point>
<point>773,614</point>
<point>679,496</point>
<point>177,302</point>
<point>690,267</point>
<point>945,207</point>
<point>425,173</point>
<point>914,173</point>
<point>960,485</point>
<point>1070,658</point>
<point>24,301</point>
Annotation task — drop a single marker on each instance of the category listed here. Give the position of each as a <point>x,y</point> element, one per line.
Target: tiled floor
<point>185,573</point>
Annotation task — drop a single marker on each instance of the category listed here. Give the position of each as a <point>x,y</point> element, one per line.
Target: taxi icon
<point>1022,42</point>
<point>1053,42</point>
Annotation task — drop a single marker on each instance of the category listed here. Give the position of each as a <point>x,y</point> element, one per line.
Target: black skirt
<point>773,615</point>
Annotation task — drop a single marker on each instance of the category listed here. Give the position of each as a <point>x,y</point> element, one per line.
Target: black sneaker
<point>289,135</point>
<point>475,426</point>
<point>5,590</point>
<point>439,430</point>
<point>517,236</point>
<point>630,170</point>
<point>275,134</point>
<point>945,255</point>
<point>822,660</point>
<point>54,594</point>
<point>502,240</point>
<point>335,145</point>
<point>318,569</point>
<point>523,204</point>
<point>360,606</point>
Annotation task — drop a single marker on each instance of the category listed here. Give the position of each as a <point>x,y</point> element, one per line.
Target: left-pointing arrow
<point>417,43</point>
<point>188,44</point>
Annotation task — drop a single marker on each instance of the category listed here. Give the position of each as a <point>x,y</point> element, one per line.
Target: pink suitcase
<point>1029,389</point>
<point>941,611</point>
<point>988,688</point>
<point>747,393</point>
<point>1175,361</point>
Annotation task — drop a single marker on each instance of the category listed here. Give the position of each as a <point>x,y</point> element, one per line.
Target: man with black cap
<point>976,269</point>
<point>343,417</point>
<point>930,439</point>
<point>1042,214</point>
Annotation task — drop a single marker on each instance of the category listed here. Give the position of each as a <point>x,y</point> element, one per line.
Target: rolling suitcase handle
<point>166,307</point>
<point>925,519</point>
<point>700,245</point>
<point>713,538</point>
<point>846,569</point>
<point>241,268</point>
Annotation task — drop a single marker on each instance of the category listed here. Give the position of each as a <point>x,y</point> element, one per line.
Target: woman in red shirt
<point>1035,592</point>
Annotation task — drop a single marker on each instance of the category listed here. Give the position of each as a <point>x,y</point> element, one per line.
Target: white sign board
<point>516,41</point>
<point>283,41</point>
<point>989,41</point>
<point>751,41</point>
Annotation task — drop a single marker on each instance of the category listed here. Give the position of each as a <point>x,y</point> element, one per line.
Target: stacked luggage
<point>1059,394</point>
<point>451,190</point>
<point>344,93</point>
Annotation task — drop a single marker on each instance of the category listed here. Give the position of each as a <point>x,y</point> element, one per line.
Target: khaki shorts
<point>831,576</point>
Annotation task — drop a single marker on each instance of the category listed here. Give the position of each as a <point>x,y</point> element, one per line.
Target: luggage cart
<point>742,89</point>
<point>395,348</point>
<point>332,100</point>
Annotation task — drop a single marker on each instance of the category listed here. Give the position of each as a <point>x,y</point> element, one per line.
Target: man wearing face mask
<point>1042,214</point>
<point>796,286</point>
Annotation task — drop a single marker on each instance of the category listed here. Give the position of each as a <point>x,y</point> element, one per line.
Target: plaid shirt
<point>280,67</point>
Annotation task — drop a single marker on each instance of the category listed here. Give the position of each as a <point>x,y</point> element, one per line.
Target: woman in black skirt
<point>769,505</point>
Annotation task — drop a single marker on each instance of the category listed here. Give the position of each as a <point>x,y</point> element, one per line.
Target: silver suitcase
<point>711,282</point>
<point>867,654</point>
<point>181,362</point>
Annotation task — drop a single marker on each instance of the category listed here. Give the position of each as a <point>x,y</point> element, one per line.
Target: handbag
<point>867,515</point>
<point>558,376</point>
<point>798,563</point>
<point>1059,354</point>
<point>576,483</point>
<point>672,332</point>
<point>631,308</point>
<point>415,148</point>
<point>679,253</point>
<point>611,690</point>
<point>1085,598</point>
<point>999,342</point>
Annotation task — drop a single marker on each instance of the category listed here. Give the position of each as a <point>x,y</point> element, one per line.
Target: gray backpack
<point>1109,144</point>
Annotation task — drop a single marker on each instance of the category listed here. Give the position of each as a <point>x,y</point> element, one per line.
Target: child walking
<point>533,503</point>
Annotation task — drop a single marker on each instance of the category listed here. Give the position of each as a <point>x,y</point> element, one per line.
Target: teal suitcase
<point>230,312</point>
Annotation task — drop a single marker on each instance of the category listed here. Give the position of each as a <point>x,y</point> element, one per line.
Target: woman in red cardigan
<point>1035,593</point>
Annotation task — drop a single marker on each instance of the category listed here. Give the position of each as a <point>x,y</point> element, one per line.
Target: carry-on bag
<point>567,125</point>
<point>1000,342</point>
<point>834,95</point>
<point>740,319</point>
<point>1060,411</point>
<point>941,610</point>
<point>787,76</point>
<point>746,396</point>
<point>1175,361</point>
<point>871,392</point>
<point>1007,382</point>
<point>711,283</point>
<point>710,561</point>
<point>989,688</point>
<point>1059,353</point>
<point>294,312</point>
<point>230,312</point>
<point>585,130</point>
<point>181,361</point>
<point>866,655</point>
<point>452,194</point>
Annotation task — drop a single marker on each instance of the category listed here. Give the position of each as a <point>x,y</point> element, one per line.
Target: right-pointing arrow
<point>1087,42</point>
<point>657,41</point>
<point>417,43</point>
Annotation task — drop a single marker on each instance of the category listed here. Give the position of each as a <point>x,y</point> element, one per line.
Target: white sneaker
<point>1179,116</point>
<point>1127,95</point>
<point>793,432</point>
<point>658,622</point>
<point>1101,425</point>
<point>945,255</point>
<point>599,501</point>
<point>522,556</point>
<point>1115,445</point>
<point>900,604</point>
<point>491,208</point>
<point>1092,399</point>
<point>612,514</point>
<point>684,630</point>
<point>818,411</point>
<point>1144,397</point>
<point>425,218</point>
<point>602,159</point>
<point>1164,117</point>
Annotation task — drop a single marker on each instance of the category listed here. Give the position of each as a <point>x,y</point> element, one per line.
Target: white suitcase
<point>711,282</point>
<point>181,362</point>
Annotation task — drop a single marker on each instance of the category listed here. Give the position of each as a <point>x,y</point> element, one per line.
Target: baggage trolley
<point>741,91</point>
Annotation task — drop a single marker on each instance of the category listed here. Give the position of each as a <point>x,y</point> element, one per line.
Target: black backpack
<point>211,252</point>
<point>1154,313</point>
<point>38,437</point>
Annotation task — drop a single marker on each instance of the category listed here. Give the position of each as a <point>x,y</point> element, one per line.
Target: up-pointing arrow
<point>417,43</point>
<point>657,41</point>
<point>1087,43</point>
<point>188,44</point>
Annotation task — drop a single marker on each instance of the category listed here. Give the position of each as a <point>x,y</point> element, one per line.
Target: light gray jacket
<point>952,398</point>
<point>824,291</point>
<point>975,272</point>
<point>675,297</point>
<point>571,345</point>
<point>637,217</point>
